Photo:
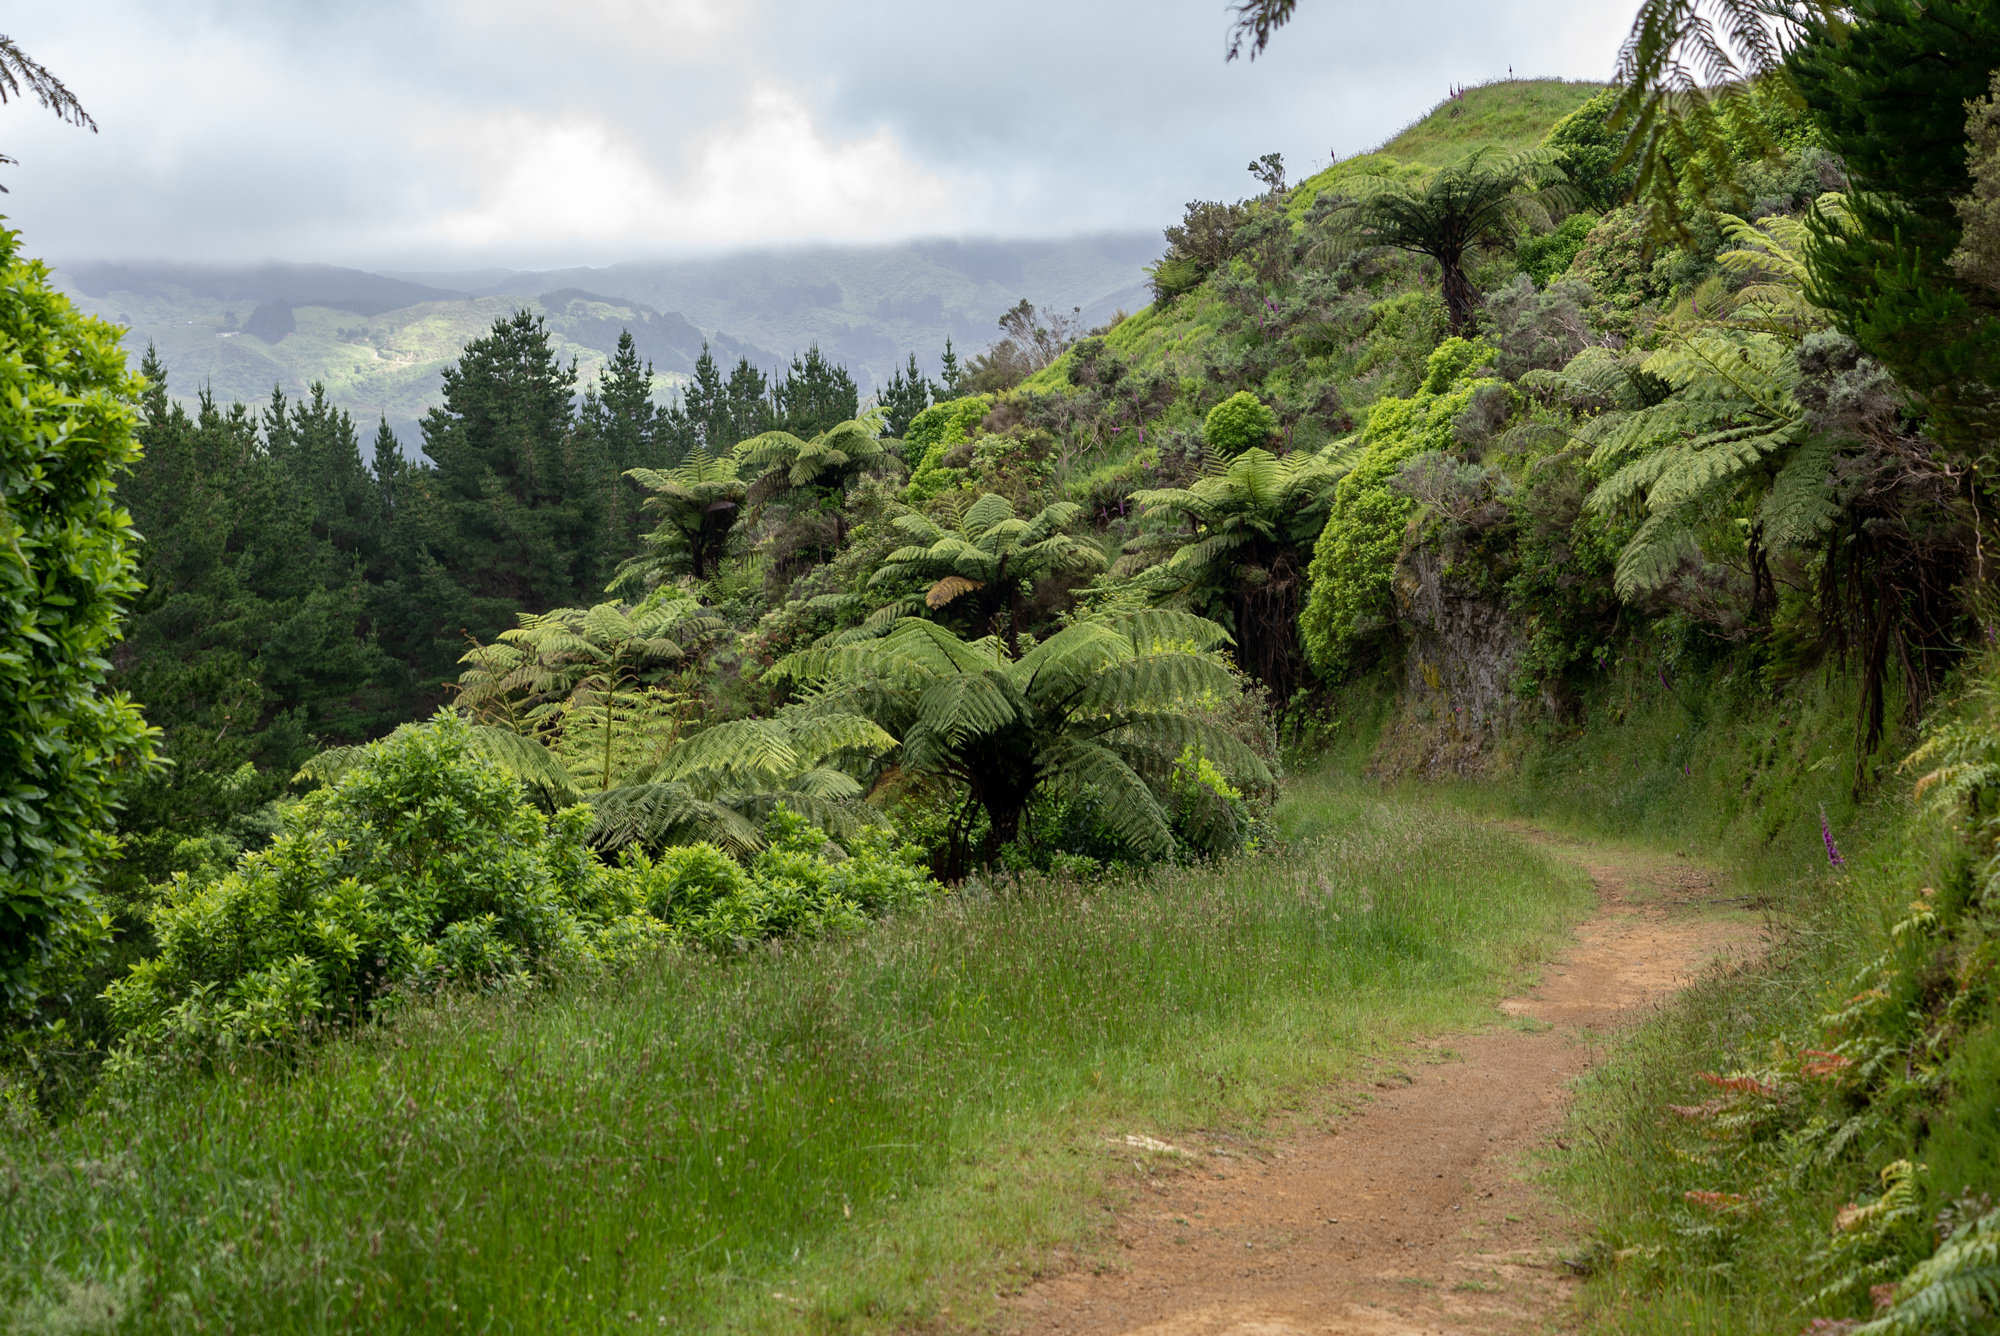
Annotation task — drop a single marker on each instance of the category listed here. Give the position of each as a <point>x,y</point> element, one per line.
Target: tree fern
<point>990,562</point>
<point>1728,430</point>
<point>1237,543</point>
<point>699,504</point>
<point>1103,704</point>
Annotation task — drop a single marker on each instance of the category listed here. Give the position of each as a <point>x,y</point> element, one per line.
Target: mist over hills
<point>379,340</point>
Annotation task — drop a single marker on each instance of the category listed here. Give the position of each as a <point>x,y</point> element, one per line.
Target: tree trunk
<point>1460,297</point>
<point>1003,819</point>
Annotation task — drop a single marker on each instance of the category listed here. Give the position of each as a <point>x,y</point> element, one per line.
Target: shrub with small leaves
<point>423,866</point>
<point>1237,423</point>
<point>66,433</point>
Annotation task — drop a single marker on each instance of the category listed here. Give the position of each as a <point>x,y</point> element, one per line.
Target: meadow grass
<point>865,1132</point>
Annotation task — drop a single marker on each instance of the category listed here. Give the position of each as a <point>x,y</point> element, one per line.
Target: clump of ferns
<point>1815,1104</point>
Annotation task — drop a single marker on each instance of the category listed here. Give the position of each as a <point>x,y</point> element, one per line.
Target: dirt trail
<point>1412,1213</point>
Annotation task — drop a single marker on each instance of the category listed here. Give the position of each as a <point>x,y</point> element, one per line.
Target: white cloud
<point>446,133</point>
<point>771,174</point>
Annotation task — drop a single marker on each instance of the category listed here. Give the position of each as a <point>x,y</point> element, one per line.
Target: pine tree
<point>1890,90</point>
<point>814,395</point>
<point>251,635</point>
<point>389,468</point>
<point>514,523</point>
<point>949,372</point>
<point>745,410</point>
<point>905,396</point>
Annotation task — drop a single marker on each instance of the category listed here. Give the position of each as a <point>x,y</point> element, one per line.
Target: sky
<point>454,134</point>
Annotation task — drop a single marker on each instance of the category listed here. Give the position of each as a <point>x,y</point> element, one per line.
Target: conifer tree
<point>906,395</point>
<point>512,520</point>
<point>814,395</point>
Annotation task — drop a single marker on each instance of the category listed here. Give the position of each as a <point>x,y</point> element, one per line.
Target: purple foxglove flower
<point>1832,850</point>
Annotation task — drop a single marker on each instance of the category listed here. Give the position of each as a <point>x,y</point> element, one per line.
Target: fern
<point>990,562</point>
<point>1104,704</point>
<point>1957,1288</point>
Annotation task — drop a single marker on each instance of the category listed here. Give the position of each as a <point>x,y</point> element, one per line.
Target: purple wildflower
<point>1826,833</point>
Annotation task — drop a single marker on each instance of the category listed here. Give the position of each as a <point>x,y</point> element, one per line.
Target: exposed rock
<point>1460,646</point>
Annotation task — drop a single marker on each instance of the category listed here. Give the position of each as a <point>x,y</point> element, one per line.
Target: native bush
<point>1237,423</point>
<point>791,887</point>
<point>424,865</point>
<point>1355,557</point>
<point>66,432</point>
<point>932,434</point>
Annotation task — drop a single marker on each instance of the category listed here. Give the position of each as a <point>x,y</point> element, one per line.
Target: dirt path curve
<point>1412,1213</point>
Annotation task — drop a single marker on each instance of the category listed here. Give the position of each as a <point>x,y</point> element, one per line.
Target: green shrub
<point>1355,558</point>
<point>791,887</point>
<point>1547,257</point>
<point>1591,152</point>
<point>1237,423</point>
<point>66,431</point>
<point>934,432</point>
<point>423,866</point>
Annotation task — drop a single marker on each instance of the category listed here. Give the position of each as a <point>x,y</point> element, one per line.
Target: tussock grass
<point>857,1133</point>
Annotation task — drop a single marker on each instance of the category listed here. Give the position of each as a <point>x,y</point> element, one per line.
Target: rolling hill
<point>379,341</point>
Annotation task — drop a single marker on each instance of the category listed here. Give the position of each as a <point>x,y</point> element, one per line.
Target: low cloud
<point>446,133</point>
<point>768,174</point>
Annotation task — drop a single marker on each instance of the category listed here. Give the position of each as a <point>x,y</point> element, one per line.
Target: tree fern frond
<point>1153,680</point>
<point>1800,506</point>
<point>1169,732</point>
<point>668,813</point>
<point>1957,1288</point>
<point>1127,804</point>
<point>1655,552</point>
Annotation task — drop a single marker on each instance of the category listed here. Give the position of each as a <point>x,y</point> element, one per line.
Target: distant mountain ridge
<point>379,340</point>
<point>353,290</point>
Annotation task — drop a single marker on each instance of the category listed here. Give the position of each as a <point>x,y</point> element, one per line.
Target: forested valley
<point>660,861</point>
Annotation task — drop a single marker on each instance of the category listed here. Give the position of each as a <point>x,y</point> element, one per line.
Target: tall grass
<point>860,1132</point>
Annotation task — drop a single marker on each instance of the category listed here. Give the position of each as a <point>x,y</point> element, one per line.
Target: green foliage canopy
<point>66,566</point>
<point>989,562</point>
<point>1238,423</point>
<point>1354,560</point>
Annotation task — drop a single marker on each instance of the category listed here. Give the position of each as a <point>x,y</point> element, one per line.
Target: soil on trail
<point>1412,1210</point>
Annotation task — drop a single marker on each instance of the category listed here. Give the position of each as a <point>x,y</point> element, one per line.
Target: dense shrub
<point>424,867</point>
<point>1237,423</point>
<point>1591,152</point>
<point>1547,256</point>
<point>1355,557</point>
<point>791,887</point>
<point>933,434</point>
<point>66,432</point>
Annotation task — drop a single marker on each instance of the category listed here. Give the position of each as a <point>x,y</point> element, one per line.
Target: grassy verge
<point>852,1133</point>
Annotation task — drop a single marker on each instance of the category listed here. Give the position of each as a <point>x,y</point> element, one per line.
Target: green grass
<point>859,1133</point>
<point>1505,116</point>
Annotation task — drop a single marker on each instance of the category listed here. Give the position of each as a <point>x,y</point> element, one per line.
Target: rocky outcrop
<point>1460,646</point>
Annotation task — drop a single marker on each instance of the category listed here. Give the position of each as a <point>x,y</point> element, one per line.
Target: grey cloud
<point>235,130</point>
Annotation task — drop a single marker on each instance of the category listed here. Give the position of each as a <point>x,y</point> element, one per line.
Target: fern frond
<point>1128,805</point>
<point>1800,506</point>
<point>1654,554</point>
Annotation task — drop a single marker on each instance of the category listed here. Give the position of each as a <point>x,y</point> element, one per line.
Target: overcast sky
<point>460,133</point>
